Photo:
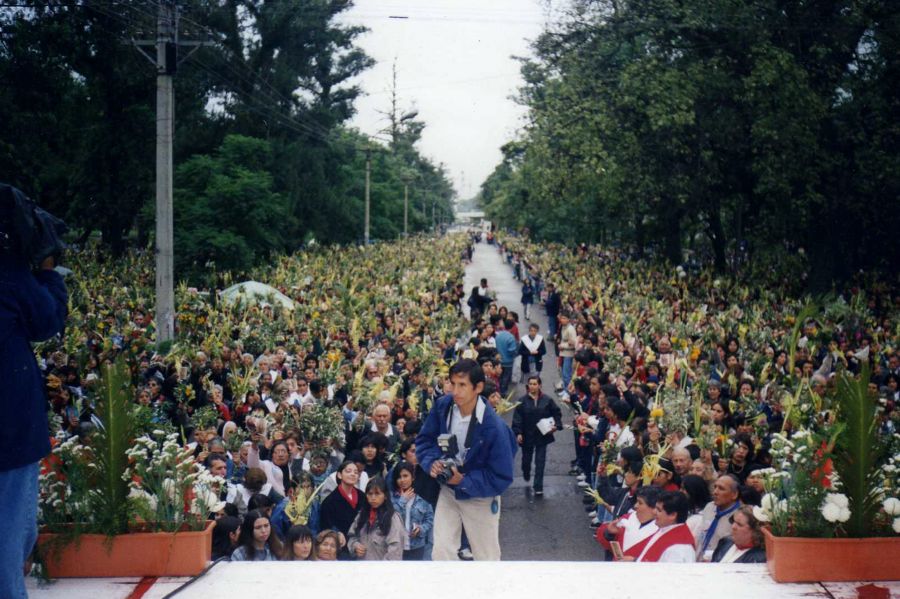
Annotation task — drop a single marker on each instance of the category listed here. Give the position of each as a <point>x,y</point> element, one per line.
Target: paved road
<point>554,527</point>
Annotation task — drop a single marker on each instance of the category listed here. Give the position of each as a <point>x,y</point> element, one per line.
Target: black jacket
<point>756,555</point>
<point>553,304</point>
<point>337,514</point>
<point>527,414</point>
<point>538,359</point>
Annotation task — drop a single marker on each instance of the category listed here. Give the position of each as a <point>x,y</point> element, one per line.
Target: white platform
<point>476,580</point>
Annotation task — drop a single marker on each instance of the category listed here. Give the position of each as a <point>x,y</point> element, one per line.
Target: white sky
<point>455,66</point>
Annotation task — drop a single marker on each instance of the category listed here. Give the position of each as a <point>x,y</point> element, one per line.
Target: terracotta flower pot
<point>136,554</point>
<point>799,559</point>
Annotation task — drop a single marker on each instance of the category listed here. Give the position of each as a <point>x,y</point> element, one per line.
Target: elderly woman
<point>746,545</point>
<point>328,544</point>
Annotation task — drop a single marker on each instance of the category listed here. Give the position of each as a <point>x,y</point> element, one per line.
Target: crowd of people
<point>677,382</point>
<point>308,413</point>
<point>311,413</point>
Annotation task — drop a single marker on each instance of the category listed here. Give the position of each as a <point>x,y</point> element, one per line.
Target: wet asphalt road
<point>555,526</point>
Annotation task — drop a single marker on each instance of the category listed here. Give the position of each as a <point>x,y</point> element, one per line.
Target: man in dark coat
<point>533,407</point>
<point>32,308</point>
<point>553,306</point>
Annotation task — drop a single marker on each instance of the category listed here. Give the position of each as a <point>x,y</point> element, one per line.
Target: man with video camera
<point>468,448</point>
<point>33,307</point>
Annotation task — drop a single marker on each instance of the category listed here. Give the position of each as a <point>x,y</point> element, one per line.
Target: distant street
<point>554,527</point>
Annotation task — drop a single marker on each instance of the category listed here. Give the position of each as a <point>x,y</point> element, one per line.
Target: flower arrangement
<point>118,480</point>
<point>168,491</point>
<point>837,480</point>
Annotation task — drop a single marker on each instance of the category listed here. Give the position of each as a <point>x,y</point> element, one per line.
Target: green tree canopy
<point>712,126</point>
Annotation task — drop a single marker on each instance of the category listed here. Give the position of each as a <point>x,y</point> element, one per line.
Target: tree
<point>226,211</point>
<point>715,126</point>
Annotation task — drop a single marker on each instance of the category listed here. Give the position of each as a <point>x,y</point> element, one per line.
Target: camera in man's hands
<point>449,447</point>
<point>27,232</point>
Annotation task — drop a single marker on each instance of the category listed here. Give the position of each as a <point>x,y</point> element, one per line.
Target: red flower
<point>822,474</point>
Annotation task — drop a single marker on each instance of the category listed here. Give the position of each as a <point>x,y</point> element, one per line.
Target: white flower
<point>831,512</point>
<point>892,507</point>
<point>170,488</point>
<point>896,525</point>
<point>763,515</point>
<point>844,515</point>
<point>205,500</point>
<point>838,499</point>
<point>141,495</point>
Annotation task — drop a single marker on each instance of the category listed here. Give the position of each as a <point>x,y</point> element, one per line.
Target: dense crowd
<point>689,392</point>
<point>306,414</point>
<point>303,414</point>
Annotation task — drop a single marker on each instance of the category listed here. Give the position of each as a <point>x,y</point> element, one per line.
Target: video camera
<point>449,447</point>
<point>28,232</point>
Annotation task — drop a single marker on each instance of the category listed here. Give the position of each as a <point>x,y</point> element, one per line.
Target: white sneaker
<point>465,555</point>
<point>593,514</point>
<point>564,396</point>
<point>580,477</point>
<point>583,484</point>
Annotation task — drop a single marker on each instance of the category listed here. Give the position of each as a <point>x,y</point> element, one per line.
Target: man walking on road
<point>534,407</point>
<point>507,347</point>
<point>527,297</point>
<point>482,470</point>
<point>552,305</point>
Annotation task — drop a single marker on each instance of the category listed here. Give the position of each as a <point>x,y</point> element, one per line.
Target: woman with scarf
<point>343,504</point>
<point>532,349</point>
<point>377,533</point>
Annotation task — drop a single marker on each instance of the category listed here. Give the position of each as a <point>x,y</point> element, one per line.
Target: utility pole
<point>368,177</point>
<point>406,208</point>
<point>166,63</point>
<point>165,105</point>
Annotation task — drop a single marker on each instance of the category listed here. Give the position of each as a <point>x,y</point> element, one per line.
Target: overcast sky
<point>455,66</point>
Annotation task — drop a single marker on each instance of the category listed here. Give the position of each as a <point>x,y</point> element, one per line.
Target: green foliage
<point>109,445</point>
<point>225,209</point>
<point>264,160</point>
<point>858,451</point>
<point>697,125</point>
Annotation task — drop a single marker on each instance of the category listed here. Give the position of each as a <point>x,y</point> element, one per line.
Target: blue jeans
<point>567,364</point>
<point>18,526</point>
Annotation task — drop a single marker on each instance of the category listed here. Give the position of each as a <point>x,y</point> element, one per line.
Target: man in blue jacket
<point>508,348</point>
<point>32,308</point>
<point>471,495</point>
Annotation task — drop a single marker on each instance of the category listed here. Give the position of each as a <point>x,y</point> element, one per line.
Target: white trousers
<point>482,527</point>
